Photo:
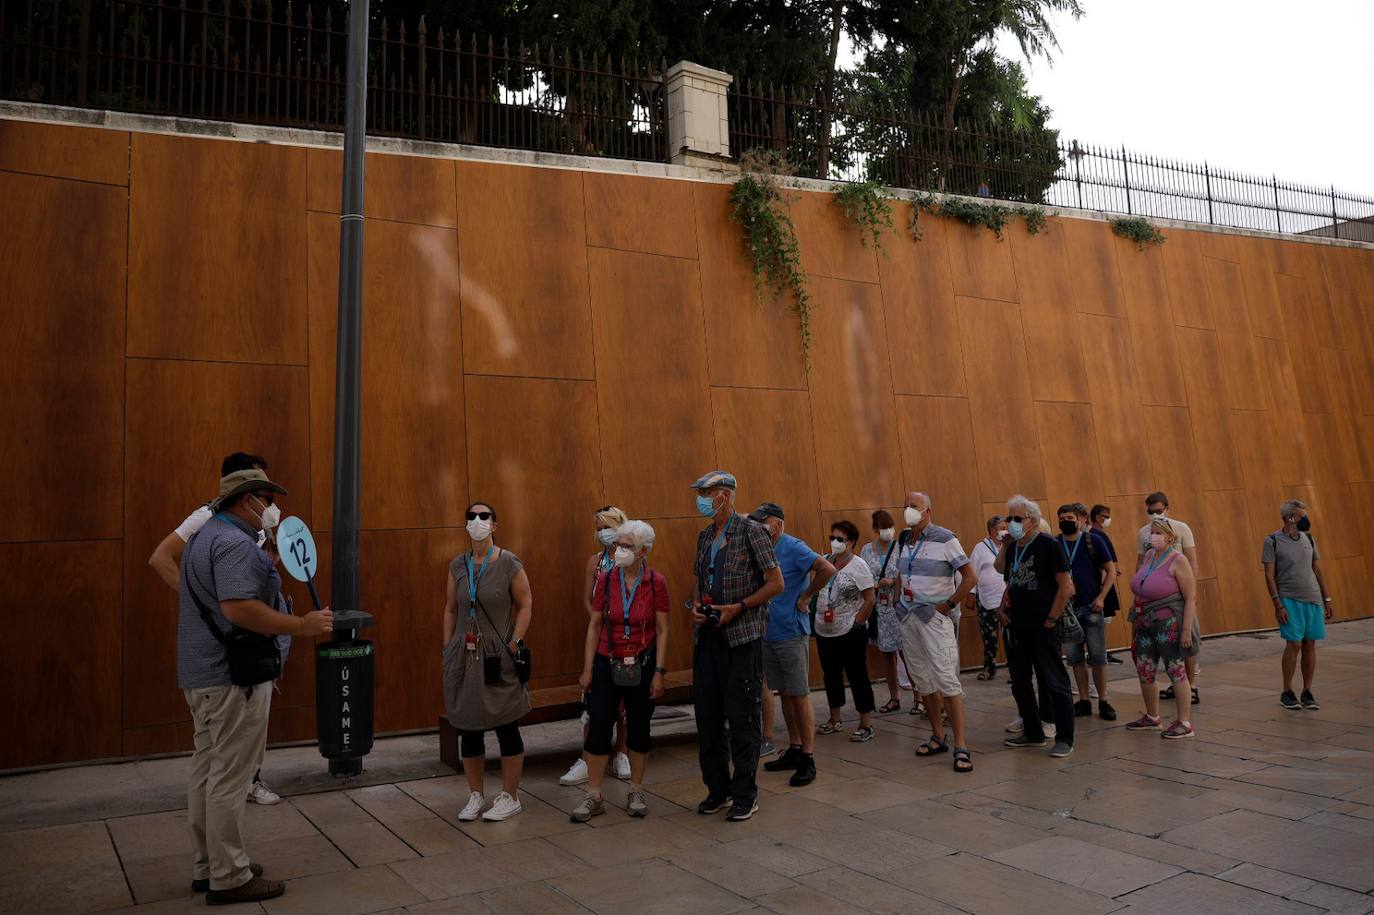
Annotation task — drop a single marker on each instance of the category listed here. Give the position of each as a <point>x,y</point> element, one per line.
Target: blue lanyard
<point>830,588</point>
<point>1074,552</point>
<point>992,547</point>
<point>1157,562</point>
<point>715,551</point>
<point>916,550</point>
<point>625,601</point>
<point>1018,553</point>
<point>473,581</point>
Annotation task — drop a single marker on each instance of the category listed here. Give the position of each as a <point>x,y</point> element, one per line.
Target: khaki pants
<point>230,733</point>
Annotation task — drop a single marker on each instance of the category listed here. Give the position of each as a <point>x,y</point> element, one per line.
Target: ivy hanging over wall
<point>1139,230</point>
<point>758,205</point>
<point>867,209</point>
<point>991,216</point>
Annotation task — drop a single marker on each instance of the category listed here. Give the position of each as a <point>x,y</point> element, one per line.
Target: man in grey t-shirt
<point>1302,605</point>
<point>228,582</point>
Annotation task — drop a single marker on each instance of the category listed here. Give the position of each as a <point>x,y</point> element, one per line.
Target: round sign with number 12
<point>297,548</point>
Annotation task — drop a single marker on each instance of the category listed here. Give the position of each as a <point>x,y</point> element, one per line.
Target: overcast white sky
<point>1252,85</point>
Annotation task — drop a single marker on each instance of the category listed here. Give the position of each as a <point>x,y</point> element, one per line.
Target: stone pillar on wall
<point>698,119</point>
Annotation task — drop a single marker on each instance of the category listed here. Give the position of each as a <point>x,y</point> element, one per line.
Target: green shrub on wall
<point>867,209</point>
<point>1139,230</point>
<point>991,216</point>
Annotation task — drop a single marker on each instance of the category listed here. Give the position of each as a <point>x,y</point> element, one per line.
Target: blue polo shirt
<point>795,559</point>
<point>1085,566</point>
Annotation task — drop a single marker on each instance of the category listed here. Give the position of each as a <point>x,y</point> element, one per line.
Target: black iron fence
<point>259,62</point>
<point>231,60</point>
<point>921,151</point>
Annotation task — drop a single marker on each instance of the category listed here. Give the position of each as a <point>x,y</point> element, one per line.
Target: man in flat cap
<point>735,574</point>
<point>227,585</point>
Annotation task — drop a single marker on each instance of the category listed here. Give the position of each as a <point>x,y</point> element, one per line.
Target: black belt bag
<point>253,656</point>
<point>629,674</point>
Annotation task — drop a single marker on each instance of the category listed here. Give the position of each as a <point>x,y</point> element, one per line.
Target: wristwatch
<point>660,670</point>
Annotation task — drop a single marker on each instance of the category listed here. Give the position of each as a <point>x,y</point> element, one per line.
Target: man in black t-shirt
<point>1036,570</point>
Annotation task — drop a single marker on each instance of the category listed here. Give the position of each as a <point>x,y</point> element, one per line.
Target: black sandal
<point>892,705</point>
<point>933,747</point>
<point>963,760</point>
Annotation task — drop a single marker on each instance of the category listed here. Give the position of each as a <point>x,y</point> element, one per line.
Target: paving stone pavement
<point>1265,811</point>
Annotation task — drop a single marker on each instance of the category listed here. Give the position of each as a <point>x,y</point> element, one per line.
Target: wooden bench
<point>559,703</point>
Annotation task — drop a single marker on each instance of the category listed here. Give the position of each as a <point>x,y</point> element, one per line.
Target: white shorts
<point>932,655</point>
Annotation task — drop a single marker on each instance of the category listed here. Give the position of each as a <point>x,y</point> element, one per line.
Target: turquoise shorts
<point>1306,622</point>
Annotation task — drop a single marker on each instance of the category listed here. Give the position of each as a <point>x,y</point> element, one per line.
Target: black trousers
<point>846,655</point>
<point>725,687</point>
<point>1037,651</point>
<point>1044,704</point>
<point>603,706</point>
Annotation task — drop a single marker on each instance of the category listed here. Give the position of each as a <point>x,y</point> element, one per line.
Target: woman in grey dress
<point>486,616</point>
<point>880,554</point>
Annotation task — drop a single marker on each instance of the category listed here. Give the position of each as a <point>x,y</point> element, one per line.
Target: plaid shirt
<point>745,558</point>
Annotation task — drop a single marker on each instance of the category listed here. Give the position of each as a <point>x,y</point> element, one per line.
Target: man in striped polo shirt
<point>935,578</point>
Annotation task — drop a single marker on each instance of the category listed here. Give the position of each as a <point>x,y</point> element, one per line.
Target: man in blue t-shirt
<point>786,645</point>
<point>1092,567</point>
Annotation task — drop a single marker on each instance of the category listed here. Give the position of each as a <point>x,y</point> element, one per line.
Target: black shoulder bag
<point>253,656</point>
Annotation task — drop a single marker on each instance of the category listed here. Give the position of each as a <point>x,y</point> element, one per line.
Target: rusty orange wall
<point>554,340</point>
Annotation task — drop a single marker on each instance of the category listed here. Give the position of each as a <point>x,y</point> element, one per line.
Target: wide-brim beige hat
<point>241,481</point>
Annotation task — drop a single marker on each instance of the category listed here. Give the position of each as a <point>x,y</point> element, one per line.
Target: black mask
<point>1304,524</point>
<point>1068,528</point>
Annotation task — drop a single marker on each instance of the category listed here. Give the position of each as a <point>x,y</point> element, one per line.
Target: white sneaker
<point>473,809</point>
<point>576,775</point>
<point>503,808</point>
<point>258,793</point>
<point>621,767</point>
<point>1016,725</point>
<point>1049,728</point>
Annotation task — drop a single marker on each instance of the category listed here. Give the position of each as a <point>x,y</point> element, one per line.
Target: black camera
<point>712,615</point>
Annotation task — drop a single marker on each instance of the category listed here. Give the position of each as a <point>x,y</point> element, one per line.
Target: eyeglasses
<point>604,508</point>
<point>266,498</point>
<point>473,516</point>
<point>1017,518</point>
<point>626,546</point>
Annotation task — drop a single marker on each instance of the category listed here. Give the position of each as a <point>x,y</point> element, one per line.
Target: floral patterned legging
<point>1155,641</point>
<point>988,625</point>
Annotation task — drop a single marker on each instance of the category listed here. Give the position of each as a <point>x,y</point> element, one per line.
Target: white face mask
<point>1159,513</point>
<point>478,529</point>
<point>623,557</point>
<point>1003,534</point>
<point>270,516</point>
<point>912,516</point>
<point>838,546</point>
<point>606,535</point>
<point>887,534</point>
<point>1106,523</point>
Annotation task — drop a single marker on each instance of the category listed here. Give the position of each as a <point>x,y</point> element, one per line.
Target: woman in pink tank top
<point>1164,628</point>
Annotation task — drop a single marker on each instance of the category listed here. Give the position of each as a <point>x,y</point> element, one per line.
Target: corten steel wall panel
<point>1146,293</point>
<point>830,244</point>
<point>1357,339</point>
<point>413,456</point>
<point>163,738</point>
<point>1093,251</point>
<point>59,151</point>
<point>62,619</point>
<point>521,316</point>
<point>1300,328</point>
<point>979,264</point>
<point>918,302</point>
<point>1187,280</point>
<point>1348,580</point>
<point>183,417</point>
<point>1004,429</point>
<point>1240,365</point>
<point>1261,287</point>
<point>1122,442</point>
<point>398,188</point>
<point>938,458</point>
<point>533,452</point>
<point>1068,442</point>
<point>765,439</point>
<point>649,215</point>
<point>1245,603</point>
<point>1212,434</point>
<point>751,340</point>
<point>1285,394</point>
<point>675,548</point>
<point>217,250</point>
<point>653,399</point>
<point>1043,278</point>
<point>61,357</point>
<point>852,412</point>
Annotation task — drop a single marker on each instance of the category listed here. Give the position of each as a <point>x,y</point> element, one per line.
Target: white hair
<point>638,532</point>
<point>1032,509</point>
<point>1292,505</point>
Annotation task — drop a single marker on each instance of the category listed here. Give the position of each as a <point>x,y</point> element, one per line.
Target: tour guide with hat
<point>735,574</point>
<point>227,583</point>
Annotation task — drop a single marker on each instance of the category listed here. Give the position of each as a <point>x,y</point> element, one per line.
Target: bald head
<point>917,500</point>
<point>916,510</point>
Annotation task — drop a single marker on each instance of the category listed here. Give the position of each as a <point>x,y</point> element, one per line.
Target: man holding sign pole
<point>227,659</point>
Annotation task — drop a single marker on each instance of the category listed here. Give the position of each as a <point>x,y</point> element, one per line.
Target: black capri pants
<point>473,743</point>
<point>846,654</point>
<point>605,698</point>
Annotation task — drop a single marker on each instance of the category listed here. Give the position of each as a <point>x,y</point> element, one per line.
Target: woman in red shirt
<point>627,644</point>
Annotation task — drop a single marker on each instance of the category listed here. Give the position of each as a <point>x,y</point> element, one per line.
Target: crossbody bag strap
<point>204,610</point>
<point>510,630</point>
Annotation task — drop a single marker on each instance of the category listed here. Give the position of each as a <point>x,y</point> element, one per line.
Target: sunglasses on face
<point>473,516</point>
<point>1017,518</point>
<point>266,498</point>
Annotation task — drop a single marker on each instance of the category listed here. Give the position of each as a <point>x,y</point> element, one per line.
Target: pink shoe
<point>1178,731</point>
<point>1145,723</point>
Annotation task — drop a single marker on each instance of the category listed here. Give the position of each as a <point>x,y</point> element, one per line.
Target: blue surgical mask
<point>1016,529</point>
<point>706,506</point>
<point>606,536</point>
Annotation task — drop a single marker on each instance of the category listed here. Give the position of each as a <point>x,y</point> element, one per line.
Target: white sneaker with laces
<point>258,793</point>
<point>1049,728</point>
<point>1016,725</point>
<point>621,767</point>
<point>473,809</point>
<point>503,808</point>
<point>575,775</point>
